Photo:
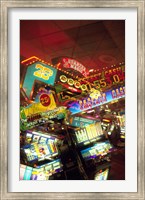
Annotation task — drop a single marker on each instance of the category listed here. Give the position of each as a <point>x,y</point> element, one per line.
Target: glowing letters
<point>43,72</point>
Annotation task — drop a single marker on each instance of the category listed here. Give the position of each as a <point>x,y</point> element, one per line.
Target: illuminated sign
<point>107,81</point>
<point>65,95</point>
<point>44,102</point>
<point>88,103</point>
<point>80,121</point>
<point>73,64</point>
<point>94,93</point>
<point>43,72</point>
<point>42,172</point>
<point>72,89</point>
<point>114,76</point>
<point>38,71</point>
<point>100,81</point>
<point>72,83</point>
<point>99,149</point>
<point>45,99</point>
<point>29,120</point>
<point>107,78</point>
<point>70,63</point>
<point>58,113</point>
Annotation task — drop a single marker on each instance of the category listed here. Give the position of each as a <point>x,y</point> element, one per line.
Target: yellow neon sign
<point>43,72</point>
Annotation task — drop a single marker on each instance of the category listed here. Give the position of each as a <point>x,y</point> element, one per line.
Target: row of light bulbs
<point>57,67</point>
<point>38,59</point>
<point>35,59</point>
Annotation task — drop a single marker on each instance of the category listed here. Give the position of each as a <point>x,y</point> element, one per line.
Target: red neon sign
<point>73,64</point>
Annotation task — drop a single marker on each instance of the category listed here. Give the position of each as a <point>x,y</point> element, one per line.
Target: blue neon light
<point>88,103</point>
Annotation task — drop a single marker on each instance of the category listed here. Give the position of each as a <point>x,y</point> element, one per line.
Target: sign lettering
<point>43,72</point>
<point>73,64</point>
<point>91,102</point>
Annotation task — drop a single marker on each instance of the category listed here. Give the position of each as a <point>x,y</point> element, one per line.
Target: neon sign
<point>108,78</point>
<point>80,121</point>
<point>45,100</point>
<point>29,120</point>
<point>71,63</point>
<point>38,71</point>
<point>103,80</point>
<point>73,83</point>
<point>89,102</point>
<point>43,72</point>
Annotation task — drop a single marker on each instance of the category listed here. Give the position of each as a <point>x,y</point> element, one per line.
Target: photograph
<point>72,100</point>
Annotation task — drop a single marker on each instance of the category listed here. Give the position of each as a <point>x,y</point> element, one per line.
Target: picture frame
<point>5,5</point>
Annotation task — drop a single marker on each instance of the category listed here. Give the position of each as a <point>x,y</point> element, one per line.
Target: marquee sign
<point>73,83</point>
<point>66,92</point>
<point>73,64</point>
<point>107,78</point>
<point>70,63</point>
<point>101,81</point>
<point>38,71</point>
<point>44,102</point>
<point>89,102</point>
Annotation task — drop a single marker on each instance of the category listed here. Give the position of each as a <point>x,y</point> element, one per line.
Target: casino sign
<point>70,63</point>
<point>91,102</point>
<point>72,82</point>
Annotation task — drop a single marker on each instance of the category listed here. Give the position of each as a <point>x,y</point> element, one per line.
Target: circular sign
<point>70,81</point>
<point>63,78</point>
<point>45,99</point>
<point>77,84</point>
